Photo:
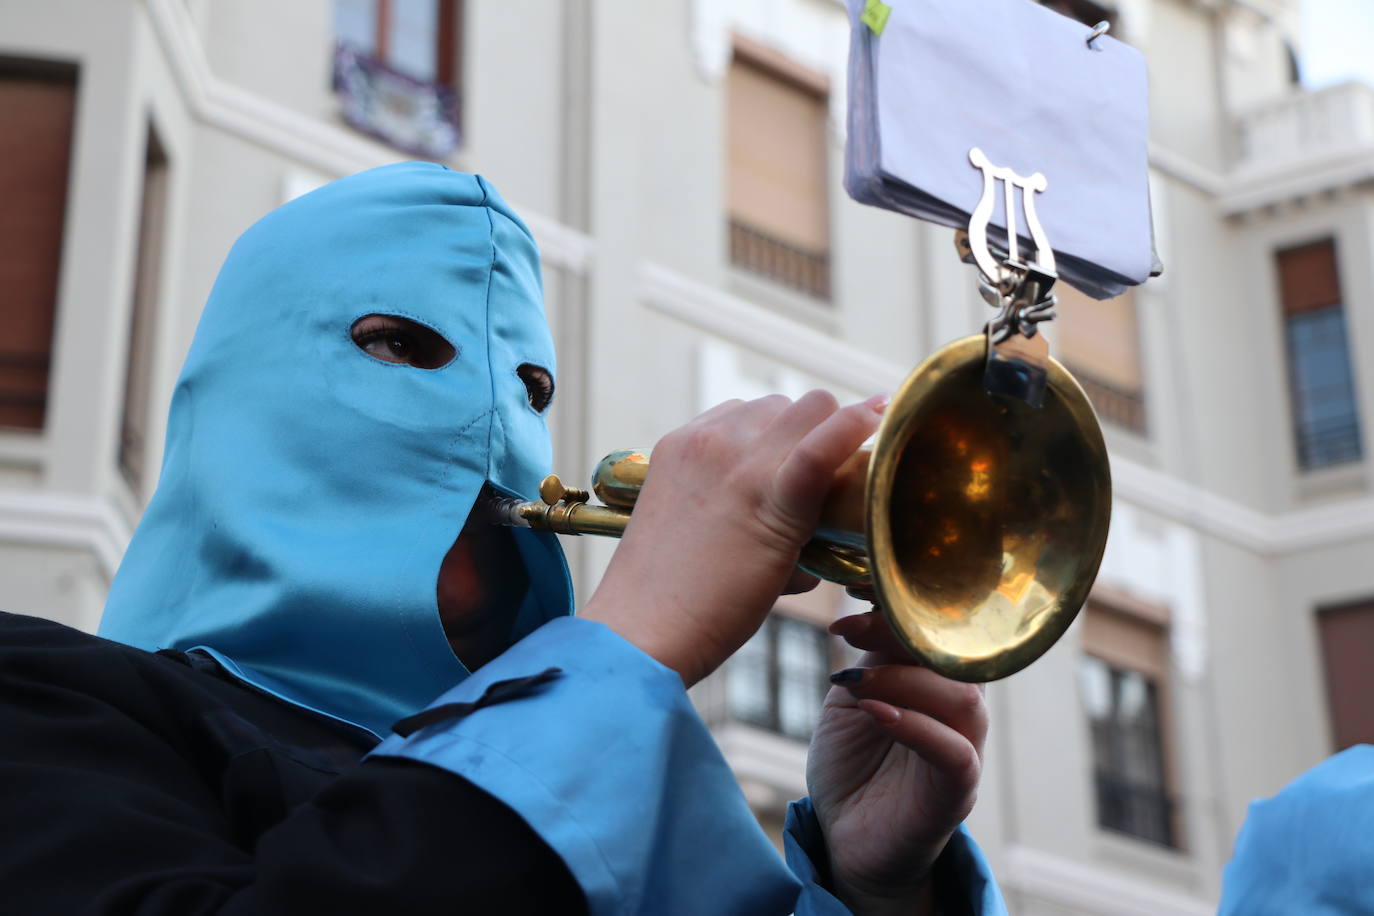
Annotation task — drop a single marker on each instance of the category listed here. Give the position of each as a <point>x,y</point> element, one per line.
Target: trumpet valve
<point>552,491</point>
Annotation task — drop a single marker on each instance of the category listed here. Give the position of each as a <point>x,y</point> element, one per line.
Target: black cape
<point>135,783</point>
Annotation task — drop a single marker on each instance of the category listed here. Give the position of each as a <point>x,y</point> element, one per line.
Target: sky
<point>1337,41</point>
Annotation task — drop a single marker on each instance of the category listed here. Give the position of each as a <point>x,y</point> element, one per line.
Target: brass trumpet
<point>977,521</point>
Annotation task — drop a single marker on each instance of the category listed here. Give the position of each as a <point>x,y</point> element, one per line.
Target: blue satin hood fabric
<point>309,491</point>
<point>1308,849</point>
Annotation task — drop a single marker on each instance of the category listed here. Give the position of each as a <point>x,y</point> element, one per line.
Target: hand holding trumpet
<point>713,542</point>
<point>715,535</point>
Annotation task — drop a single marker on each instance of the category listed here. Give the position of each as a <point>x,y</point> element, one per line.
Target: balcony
<point>1301,144</point>
<point>754,250</point>
<point>415,116</point>
<point>1113,403</point>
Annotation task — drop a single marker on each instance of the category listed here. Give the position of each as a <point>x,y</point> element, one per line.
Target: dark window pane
<point>802,676</point>
<point>133,436</point>
<point>1128,761</point>
<point>749,689</point>
<point>414,41</point>
<point>355,25</point>
<point>1347,640</point>
<point>1324,410</point>
<point>779,678</point>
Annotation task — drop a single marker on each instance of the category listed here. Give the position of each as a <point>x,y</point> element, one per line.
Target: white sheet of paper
<point>1018,81</point>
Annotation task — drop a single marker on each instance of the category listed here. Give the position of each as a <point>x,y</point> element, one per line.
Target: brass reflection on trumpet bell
<point>986,517</point>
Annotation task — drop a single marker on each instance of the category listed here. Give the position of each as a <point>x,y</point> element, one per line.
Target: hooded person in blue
<point>311,489</point>
<point>1310,848</point>
<point>373,355</point>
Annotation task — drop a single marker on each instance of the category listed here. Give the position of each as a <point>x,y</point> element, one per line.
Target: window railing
<point>1142,811</point>
<point>1306,125</point>
<point>782,262</point>
<point>1323,444</point>
<point>415,116</point>
<point>1119,406</point>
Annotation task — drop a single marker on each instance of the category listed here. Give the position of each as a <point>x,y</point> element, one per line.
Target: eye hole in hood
<point>394,339</point>
<point>538,385</point>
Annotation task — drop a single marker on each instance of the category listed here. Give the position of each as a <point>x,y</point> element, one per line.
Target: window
<point>37,103</point>
<point>1100,344</point>
<point>1123,683</point>
<point>1347,640</point>
<point>133,432</point>
<point>779,216</point>
<point>1325,421</point>
<point>779,678</point>
<point>396,69</point>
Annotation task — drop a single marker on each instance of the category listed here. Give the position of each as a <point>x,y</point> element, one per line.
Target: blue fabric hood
<point>1308,849</point>
<point>309,491</point>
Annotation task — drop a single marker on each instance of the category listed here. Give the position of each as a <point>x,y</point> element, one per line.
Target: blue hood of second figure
<point>309,491</point>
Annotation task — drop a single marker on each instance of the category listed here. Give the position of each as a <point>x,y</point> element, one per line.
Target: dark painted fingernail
<point>848,676</point>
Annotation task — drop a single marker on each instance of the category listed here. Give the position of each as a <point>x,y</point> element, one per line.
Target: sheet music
<point>1019,81</point>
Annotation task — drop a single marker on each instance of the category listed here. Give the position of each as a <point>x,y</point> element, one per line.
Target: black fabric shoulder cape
<point>134,783</point>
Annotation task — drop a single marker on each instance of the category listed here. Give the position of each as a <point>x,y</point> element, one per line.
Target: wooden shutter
<point>777,155</point>
<point>1124,640</point>
<point>35,149</point>
<point>1308,277</point>
<point>1347,639</point>
<point>1101,339</point>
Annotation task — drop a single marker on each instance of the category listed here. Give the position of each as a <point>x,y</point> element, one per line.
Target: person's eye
<point>394,339</point>
<point>392,346</point>
<point>538,385</point>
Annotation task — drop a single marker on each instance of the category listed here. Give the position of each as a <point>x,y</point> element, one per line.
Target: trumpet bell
<point>986,517</point>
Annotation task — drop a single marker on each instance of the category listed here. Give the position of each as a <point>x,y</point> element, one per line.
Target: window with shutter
<point>1100,344</point>
<point>1124,686</point>
<point>397,71</point>
<point>1347,640</point>
<point>779,678</point>
<point>1326,425</point>
<point>776,193</point>
<point>36,110</point>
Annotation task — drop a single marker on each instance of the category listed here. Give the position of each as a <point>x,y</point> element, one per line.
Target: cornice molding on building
<point>324,147</point>
<point>50,519</point>
<point>1304,178</point>
<point>1090,889</point>
<point>1181,168</point>
<point>1275,534</point>
<point>754,327</point>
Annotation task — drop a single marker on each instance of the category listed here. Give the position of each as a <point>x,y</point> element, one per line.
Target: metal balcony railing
<point>1305,125</point>
<point>782,262</point>
<point>1114,404</point>
<point>416,116</point>
<point>1142,811</point>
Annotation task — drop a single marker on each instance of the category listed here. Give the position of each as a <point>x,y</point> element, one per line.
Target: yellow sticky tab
<point>875,15</point>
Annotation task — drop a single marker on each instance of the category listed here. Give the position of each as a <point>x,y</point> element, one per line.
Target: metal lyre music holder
<point>1019,288</point>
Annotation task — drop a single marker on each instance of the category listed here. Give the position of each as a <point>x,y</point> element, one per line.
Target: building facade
<point>679,164</point>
